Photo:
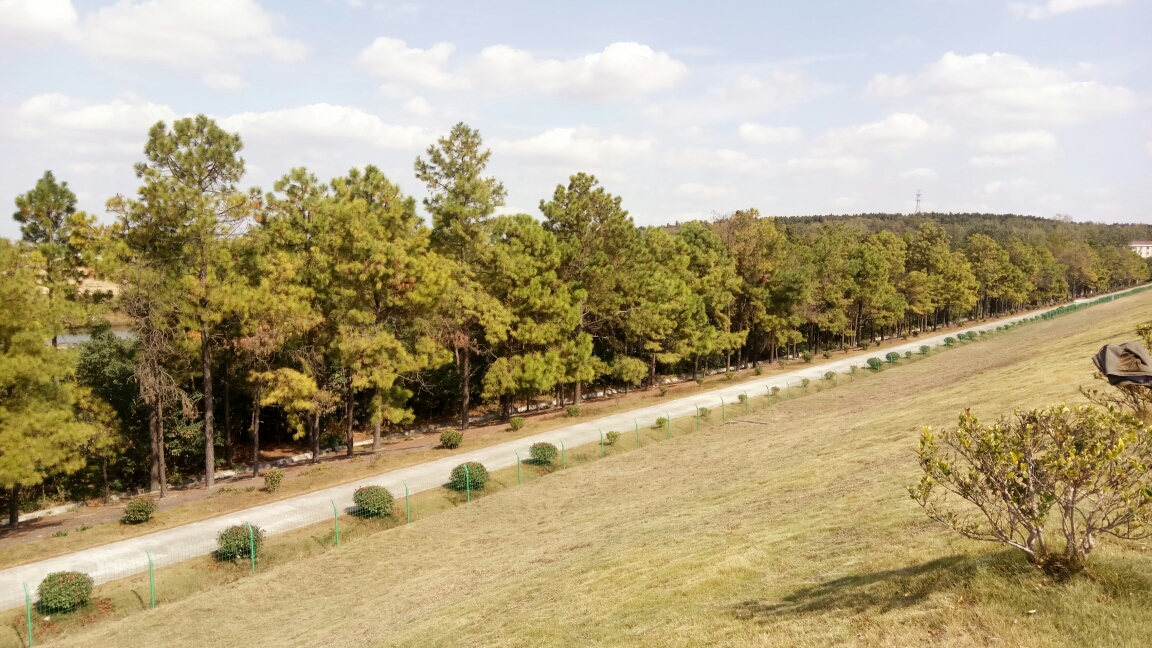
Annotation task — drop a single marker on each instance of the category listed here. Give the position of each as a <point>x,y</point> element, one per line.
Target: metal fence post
<point>697,417</point>
<point>28,614</point>
<point>251,546</point>
<point>335,522</point>
<point>407,508</point>
<point>601,442</point>
<point>747,399</point>
<point>563,457</point>
<point>518,468</point>
<point>723,411</point>
<point>467,482</point>
<point>634,422</point>
<point>151,578</point>
<point>668,420</point>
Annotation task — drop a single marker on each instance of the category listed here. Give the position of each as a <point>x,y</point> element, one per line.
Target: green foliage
<point>60,534</point>
<point>543,453</point>
<point>235,542</point>
<point>138,510</point>
<point>272,480</point>
<point>704,413</point>
<point>925,350</point>
<point>875,364</point>
<point>829,375</point>
<point>373,501</point>
<point>700,381</point>
<point>756,371</point>
<point>451,438</point>
<point>516,423</point>
<point>660,423</point>
<point>852,369</point>
<point>775,390</point>
<point>573,411</point>
<point>743,398</point>
<point>475,476</point>
<point>663,390</point>
<point>64,591</point>
<point>1083,465</point>
<point>804,383</point>
<point>612,437</point>
<point>728,375</point>
<point>949,341</point>
<point>892,357</point>
<point>806,356</point>
<point>907,355</point>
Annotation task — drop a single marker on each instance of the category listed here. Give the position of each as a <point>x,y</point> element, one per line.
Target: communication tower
<point>917,201</point>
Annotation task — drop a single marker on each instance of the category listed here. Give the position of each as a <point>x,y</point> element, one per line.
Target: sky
<point>685,109</point>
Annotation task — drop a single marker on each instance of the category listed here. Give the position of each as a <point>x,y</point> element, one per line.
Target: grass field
<point>793,529</point>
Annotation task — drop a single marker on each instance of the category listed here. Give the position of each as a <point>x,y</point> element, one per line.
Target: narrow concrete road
<point>127,557</point>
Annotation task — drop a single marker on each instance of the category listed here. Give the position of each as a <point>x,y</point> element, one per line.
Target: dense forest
<point>321,307</point>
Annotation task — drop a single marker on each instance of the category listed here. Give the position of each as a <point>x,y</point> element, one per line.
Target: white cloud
<point>621,70</point>
<point>745,97</point>
<point>23,20</point>
<point>327,122</point>
<point>575,146</point>
<point>1005,88</point>
<point>695,190</point>
<point>725,160</point>
<point>224,81</point>
<point>1032,141</point>
<point>894,134</point>
<point>1056,7</point>
<point>921,173</point>
<point>1012,186</point>
<point>760,134</point>
<point>417,106</point>
<point>56,113</point>
<point>838,164</point>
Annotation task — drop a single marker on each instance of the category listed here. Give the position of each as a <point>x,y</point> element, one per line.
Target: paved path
<point>127,557</point>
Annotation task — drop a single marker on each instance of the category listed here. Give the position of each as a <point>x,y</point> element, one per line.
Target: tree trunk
<point>466,388</point>
<point>576,393</point>
<point>157,441</point>
<point>348,403</point>
<point>227,417</point>
<point>256,435</point>
<point>209,417</point>
<point>104,471</point>
<point>315,434</point>
<point>14,506</point>
<point>376,421</point>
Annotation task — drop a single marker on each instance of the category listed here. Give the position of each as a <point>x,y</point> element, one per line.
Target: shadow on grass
<point>880,592</point>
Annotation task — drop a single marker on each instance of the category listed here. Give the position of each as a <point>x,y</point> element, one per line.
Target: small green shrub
<point>827,355</point>
<point>516,423</point>
<point>660,423</point>
<point>451,439</point>
<point>63,591</point>
<point>663,390</point>
<point>83,527</point>
<point>806,356</point>
<point>924,349</point>
<point>875,363</point>
<point>915,332</point>
<point>233,542</point>
<point>60,534</point>
<point>852,369</point>
<point>612,437</point>
<point>829,375</point>
<point>892,357</point>
<point>138,510</point>
<point>543,452</point>
<point>775,390</point>
<point>949,341</point>
<point>475,477</point>
<point>999,328</point>
<point>907,355</point>
<point>573,411</point>
<point>373,501</point>
<point>700,381</point>
<point>983,333</point>
<point>743,398</point>
<point>704,413</point>
<point>756,371</point>
<point>728,375</point>
<point>272,480</point>
<point>804,383</point>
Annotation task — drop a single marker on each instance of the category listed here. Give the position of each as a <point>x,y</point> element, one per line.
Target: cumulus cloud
<point>582,145</point>
<point>892,135</point>
<point>417,106</point>
<point>225,81</point>
<point>1056,7</point>
<point>1005,149</point>
<point>59,114</point>
<point>725,160</point>
<point>621,70</point>
<point>921,173</point>
<point>696,190</point>
<point>37,20</point>
<point>761,134</point>
<point>838,164</point>
<point>744,97</point>
<point>1005,88</point>
<point>324,121</point>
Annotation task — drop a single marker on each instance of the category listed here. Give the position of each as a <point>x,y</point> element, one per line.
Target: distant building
<point>1143,248</point>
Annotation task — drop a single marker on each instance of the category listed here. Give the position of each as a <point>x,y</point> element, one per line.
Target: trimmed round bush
<point>543,453</point>
<point>613,437</point>
<point>477,476</point>
<point>516,423</point>
<point>827,355</point>
<point>573,411</point>
<point>660,423</point>
<point>373,501</point>
<point>272,480</point>
<point>63,591</point>
<point>705,413</point>
<point>700,381</point>
<point>775,390</point>
<point>924,349</point>
<point>451,438</point>
<point>743,398</point>
<point>233,542</point>
<point>829,375</point>
<point>728,375</point>
<point>908,355</point>
<point>892,357</point>
<point>663,390</point>
<point>806,356</point>
<point>949,341</point>
<point>875,364</point>
<point>756,371</point>
<point>138,510</point>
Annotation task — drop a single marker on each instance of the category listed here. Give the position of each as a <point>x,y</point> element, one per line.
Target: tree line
<point>322,307</point>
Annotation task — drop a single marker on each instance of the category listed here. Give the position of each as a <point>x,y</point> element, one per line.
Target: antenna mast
<point>917,201</point>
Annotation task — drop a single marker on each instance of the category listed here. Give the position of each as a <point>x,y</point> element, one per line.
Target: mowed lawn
<point>792,529</point>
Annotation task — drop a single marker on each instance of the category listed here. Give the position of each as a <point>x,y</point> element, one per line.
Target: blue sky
<point>684,109</point>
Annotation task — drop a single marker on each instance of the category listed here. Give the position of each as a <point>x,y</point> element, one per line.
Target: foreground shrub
<point>806,356</point>
<point>663,390</point>
<point>451,439</point>
<point>573,411</point>
<point>700,381</point>
<point>373,501</point>
<point>907,355</point>
<point>138,510</point>
<point>775,390</point>
<point>272,480</point>
<point>516,423</point>
<point>892,357</point>
<point>613,437</point>
<point>660,423</point>
<point>476,476</point>
<point>949,341</point>
<point>63,591</point>
<point>756,371</point>
<point>827,355</point>
<point>743,398</point>
<point>233,542</point>
<point>1083,465</point>
<point>924,349</point>
<point>875,364</point>
<point>829,375</point>
<point>728,375</point>
<point>704,413</point>
<point>543,453</point>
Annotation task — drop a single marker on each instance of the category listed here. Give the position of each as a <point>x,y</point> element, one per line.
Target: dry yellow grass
<point>792,531</point>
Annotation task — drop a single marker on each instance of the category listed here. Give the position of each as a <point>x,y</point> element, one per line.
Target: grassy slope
<point>796,531</point>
